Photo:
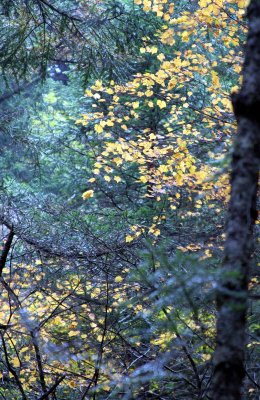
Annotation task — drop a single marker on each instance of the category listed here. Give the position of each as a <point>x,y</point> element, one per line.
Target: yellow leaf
<point>163,168</point>
<point>171,8</point>
<point>161,57</point>
<point>16,362</point>
<point>148,93</point>
<point>143,179</point>
<point>172,83</point>
<point>185,36</point>
<point>86,195</point>
<point>24,350</point>
<point>118,279</point>
<point>161,104</point>
<point>73,333</point>
<point>98,128</point>
<point>153,49</point>
<point>72,384</point>
<point>109,122</point>
<point>215,79</point>
<point>135,104</point>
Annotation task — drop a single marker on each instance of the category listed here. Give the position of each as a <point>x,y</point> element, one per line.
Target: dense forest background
<point>116,140</point>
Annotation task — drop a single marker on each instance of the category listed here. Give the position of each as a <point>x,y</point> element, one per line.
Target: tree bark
<point>233,287</point>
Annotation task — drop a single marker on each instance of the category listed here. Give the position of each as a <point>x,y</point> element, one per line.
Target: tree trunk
<point>233,288</point>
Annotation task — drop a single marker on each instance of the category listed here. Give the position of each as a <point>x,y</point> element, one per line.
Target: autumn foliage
<point>108,288</point>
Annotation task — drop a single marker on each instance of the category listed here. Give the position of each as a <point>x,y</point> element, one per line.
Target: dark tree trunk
<point>233,288</point>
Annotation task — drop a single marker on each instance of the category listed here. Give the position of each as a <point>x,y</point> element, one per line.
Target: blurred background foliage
<point>112,297</point>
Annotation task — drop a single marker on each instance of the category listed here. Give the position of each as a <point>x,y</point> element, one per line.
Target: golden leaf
<point>86,195</point>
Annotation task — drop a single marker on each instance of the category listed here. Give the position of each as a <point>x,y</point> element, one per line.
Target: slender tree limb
<point>39,363</point>
<point>50,250</point>
<point>19,88</point>
<point>58,11</point>
<point>12,370</point>
<point>6,249</point>
<point>52,389</point>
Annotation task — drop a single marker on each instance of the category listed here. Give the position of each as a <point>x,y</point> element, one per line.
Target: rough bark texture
<point>232,294</point>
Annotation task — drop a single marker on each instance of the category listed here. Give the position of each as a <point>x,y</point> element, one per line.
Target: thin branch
<point>6,249</point>
<point>52,389</point>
